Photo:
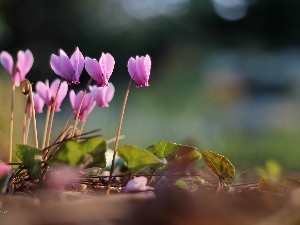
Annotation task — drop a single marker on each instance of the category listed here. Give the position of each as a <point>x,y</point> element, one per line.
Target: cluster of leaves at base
<point>161,157</point>
<point>87,153</point>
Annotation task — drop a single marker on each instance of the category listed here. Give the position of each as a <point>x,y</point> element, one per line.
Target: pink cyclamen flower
<point>137,184</point>
<point>38,104</point>
<point>102,70</point>
<point>48,93</point>
<point>23,65</point>
<point>87,106</point>
<point>4,169</point>
<point>139,70</point>
<point>68,68</point>
<point>103,95</point>
<point>62,177</point>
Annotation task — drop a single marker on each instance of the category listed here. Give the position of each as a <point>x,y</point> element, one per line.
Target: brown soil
<point>250,206</point>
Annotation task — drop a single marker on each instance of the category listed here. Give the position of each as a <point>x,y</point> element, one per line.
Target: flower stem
<point>27,128</point>
<point>118,137</point>
<point>46,127</point>
<point>83,122</point>
<point>33,116</point>
<point>78,111</point>
<point>11,122</point>
<point>52,115</point>
<point>25,122</point>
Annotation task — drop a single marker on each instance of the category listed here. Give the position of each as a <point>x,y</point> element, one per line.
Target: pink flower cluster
<point>70,69</point>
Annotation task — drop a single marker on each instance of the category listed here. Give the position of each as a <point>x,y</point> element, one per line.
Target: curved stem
<point>118,137</point>
<point>78,111</point>
<point>83,122</point>
<point>11,122</point>
<point>52,114</point>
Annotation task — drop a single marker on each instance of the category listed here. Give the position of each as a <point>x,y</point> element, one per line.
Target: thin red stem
<point>11,122</point>
<point>52,115</point>
<point>78,111</point>
<point>118,137</point>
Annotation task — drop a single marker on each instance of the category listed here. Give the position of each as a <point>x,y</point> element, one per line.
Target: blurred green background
<point>225,73</point>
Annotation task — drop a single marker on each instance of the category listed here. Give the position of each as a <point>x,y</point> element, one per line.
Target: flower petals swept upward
<point>68,68</point>
<point>103,95</point>
<point>48,93</point>
<point>87,106</point>
<point>139,70</point>
<point>102,70</point>
<point>23,65</point>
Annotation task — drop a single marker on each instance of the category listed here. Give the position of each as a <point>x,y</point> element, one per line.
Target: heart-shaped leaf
<point>182,162</point>
<point>164,149</point>
<point>31,158</point>
<point>99,159</point>
<point>73,152</point>
<point>137,158</point>
<point>218,164</point>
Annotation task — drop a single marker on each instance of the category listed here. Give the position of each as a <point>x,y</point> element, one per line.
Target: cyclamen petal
<point>139,70</point>
<point>87,106</point>
<point>107,64</point>
<point>100,71</point>
<point>38,103</point>
<point>131,67</point>
<point>22,67</point>
<point>137,184</point>
<point>54,64</point>
<point>7,61</point>
<point>48,93</point>
<point>72,97</point>
<point>62,92</point>
<point>103,95</point>
<point>68,68</point>
<point>43,91</point>
<point>93,69</point>
<point>24,63</point>
<point>77,62</point>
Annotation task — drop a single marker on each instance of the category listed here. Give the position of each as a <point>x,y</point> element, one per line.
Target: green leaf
<point>218,164</point>
<point>187,157</point>
<point>31,158</point>
<point>99,159</point>
<point>182,184</point>
<point>137,158</point>
<point>166,149</point>
<point>273,168</point>
<point>73,152</point>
